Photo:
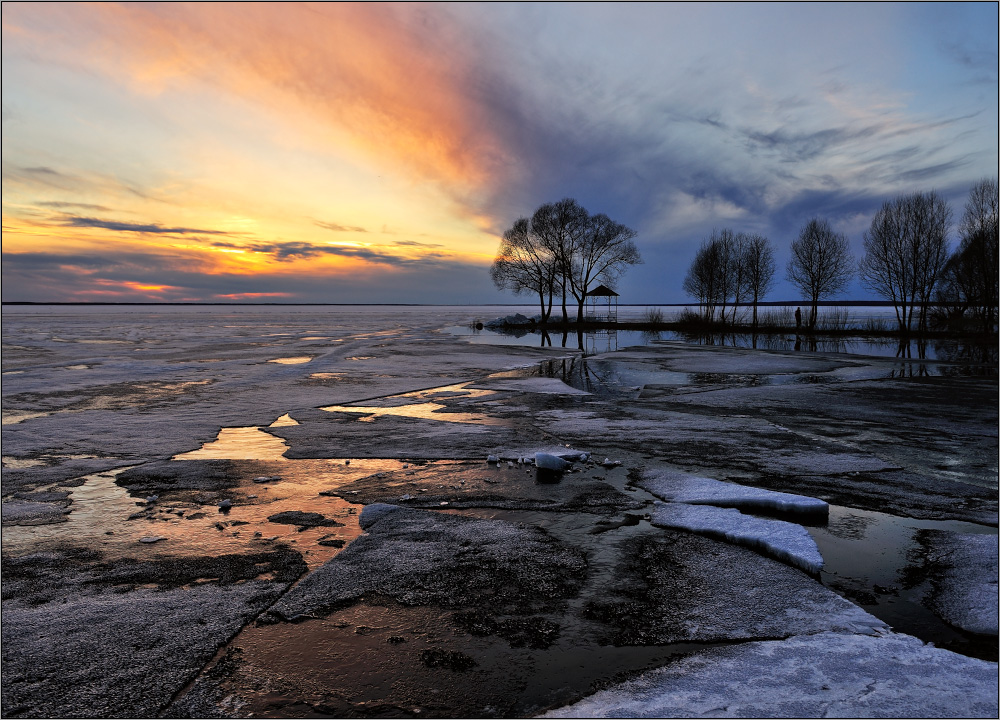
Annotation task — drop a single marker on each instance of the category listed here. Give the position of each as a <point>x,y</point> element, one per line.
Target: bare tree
<point>820,264</point>
<point>562,249</point>
<point>719,275</point>
<point>602,252</point>
<point>758,261</point>
<point>906,248</point>
<point>524,265</point>
<point>560,228</point>
<point>972,278</point>
<point>702,279</point>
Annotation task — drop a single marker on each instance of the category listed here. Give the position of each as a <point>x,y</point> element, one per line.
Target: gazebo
<point>611,306</point>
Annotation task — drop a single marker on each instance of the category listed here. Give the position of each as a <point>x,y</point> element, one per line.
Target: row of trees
<point>561,251</point>
<point>731,268</point>
<point>906,261</point>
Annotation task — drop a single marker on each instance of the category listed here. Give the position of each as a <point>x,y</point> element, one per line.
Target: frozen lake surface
<point>182,488</point>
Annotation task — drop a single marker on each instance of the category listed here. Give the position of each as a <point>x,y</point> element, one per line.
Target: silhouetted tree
<point>906,248</point>
<point>563,249</point>
<point>730,268</point>
<point>703,280</point>
<point>820,264</point>
<point>602,252</point>
<point>971,277</point>
<point>560,227</point>
<point>524,265</point>
<point>758,261</point>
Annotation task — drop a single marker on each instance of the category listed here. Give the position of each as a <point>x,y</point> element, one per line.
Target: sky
<point>375,153</point>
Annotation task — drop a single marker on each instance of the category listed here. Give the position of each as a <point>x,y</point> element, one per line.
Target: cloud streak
<point>143,228</point>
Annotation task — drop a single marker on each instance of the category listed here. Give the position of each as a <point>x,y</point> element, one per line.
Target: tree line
<point>906,261</point>
<point>560,252</point>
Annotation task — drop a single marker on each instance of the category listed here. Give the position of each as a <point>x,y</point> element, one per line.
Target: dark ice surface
<point>182,490</point>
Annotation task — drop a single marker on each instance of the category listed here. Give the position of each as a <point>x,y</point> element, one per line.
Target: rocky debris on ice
<point>822,675</point>
<point>964,577</point>
<point>781,540</point>
<point>680,487</point>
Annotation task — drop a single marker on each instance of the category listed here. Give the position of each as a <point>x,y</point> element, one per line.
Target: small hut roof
<point>602,291</point>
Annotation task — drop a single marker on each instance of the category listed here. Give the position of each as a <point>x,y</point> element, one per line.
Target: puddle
<point>361,357</point>
<point>292,360</point>
<point>284,421</point>
<point>77,367</point>
<point>327,375</point>
<point>871,559</point>
<point>241,443</point>
<point>192,525</point>
<point>420,405</point>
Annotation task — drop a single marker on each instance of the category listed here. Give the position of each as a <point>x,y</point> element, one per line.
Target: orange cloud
<point>398,81</point>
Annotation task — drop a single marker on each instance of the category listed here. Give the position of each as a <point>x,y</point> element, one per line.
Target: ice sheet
<point>823,675</point>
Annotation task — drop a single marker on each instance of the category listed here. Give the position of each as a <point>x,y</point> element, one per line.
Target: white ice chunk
<point>784,541</point>
<point>822,675</point>
<point>547,461</point>
<point>680,487</point>
<point>492,459</point>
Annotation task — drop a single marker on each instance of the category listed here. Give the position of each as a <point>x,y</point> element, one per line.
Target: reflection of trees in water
<point>729,379</point>
<point>592,376</point>
<point>958,351</point>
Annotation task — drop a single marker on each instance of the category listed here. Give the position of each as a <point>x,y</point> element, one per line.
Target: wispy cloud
<point>336,227</point>
<point>145,228</point>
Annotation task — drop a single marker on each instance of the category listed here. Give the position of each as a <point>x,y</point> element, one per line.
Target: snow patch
<point>680,487</point>
<point>784,541</point>
<point>822,675</point>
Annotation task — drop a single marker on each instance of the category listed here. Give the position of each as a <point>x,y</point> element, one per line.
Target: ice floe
<point>822,675</point>
<point>684,488</point>
<point>784,541</point>
<point>965,589</point>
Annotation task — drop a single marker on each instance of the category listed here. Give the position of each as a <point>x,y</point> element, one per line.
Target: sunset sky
<point>375,153</point>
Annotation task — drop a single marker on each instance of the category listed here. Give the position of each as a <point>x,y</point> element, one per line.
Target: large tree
<point>602,252</point>
<point>524,265</point>
<point>563,249</point>
<point>560,228</point>
<point>820,264</point>
<point>906,248</point>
